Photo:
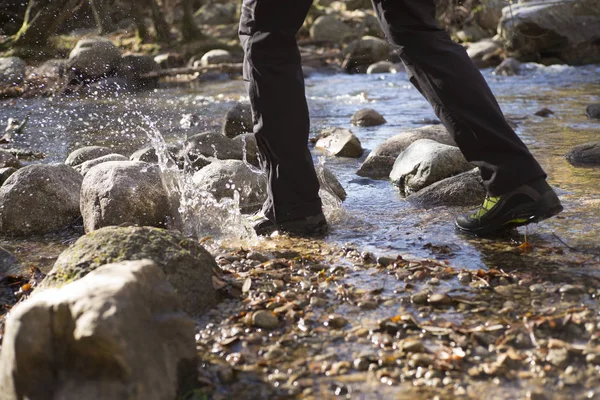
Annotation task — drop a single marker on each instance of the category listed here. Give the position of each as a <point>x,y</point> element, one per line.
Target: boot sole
<point>546,207</point>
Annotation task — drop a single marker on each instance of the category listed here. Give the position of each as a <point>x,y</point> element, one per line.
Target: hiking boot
<point>526,204</point>
<point>313,226</point>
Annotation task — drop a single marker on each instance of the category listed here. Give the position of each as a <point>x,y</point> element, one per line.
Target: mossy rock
<point>186,264</point>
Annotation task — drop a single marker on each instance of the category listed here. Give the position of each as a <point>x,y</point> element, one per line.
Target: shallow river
<point>374,216</point>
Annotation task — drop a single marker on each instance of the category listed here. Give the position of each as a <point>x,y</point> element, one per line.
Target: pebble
<point>413,346</point>
<point>421,360</point>
<point>593,359</point>
<point>367,305</point>
<point>571,289</point>
<point>317,302</point>
<point>440,299</point>
<point>336,322</point>
<point>265,320</point>
<point>226,374</point>
<point>385,261</point>
<point>273,353</point>
<point>361,364</point>
<point>558,357</point>
<point>537,288</point>
<point>464,277</point>
<point>419,298</point>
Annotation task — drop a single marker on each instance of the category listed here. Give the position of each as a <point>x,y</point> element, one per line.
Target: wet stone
<point>537,288</point>
<point>265,320</point>
<point>421,360</point>
<point>571,289</point>
<point>361,364</point>
<point>544,112</point>
<point>367,117</point>
<point>419,298</point>
<point>593,359</point>
<point>558,357</point>
<point>413,346</point>
<point>336,322</point>
<point>440,299</point>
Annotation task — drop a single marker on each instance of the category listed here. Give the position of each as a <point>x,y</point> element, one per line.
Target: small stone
<point>385,261</point>
<point>544,112</point>
<point>265,320</point>
<point>336,322</point>
<point>593,359</point>
<point>317,302</point>
<point>537,288</point>
<point>367,117</point>
<point>434,281</point>
<point>419,298</point>
<point>273,353</point>
<point>505,290</point>
<point>593,111</point>
<point>421,360</point>
<point>361,364</point>
<point>440,299</point>
<point>464,277</point>
<point>367,305</point>
<point>571,289</point>
<point>558,357</point>
<point>413,346</point>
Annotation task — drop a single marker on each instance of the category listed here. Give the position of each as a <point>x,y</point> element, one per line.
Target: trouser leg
<point>460,96</point>
<point>273,75</point>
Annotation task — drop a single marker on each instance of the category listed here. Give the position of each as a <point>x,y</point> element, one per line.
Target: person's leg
<point>273,74</point>
<point>442,71</point>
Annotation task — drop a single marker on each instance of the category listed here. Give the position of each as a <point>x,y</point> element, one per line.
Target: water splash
<point>199,213</point>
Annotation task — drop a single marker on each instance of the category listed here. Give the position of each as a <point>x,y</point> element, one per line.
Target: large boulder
<point>489,14</point>
<point>367,117</point>
<point>85,167</point>
<point>7,262</point>
<point>486,53</point>
<point>340,142</point>
<point>464,189</point>
<point>7,160</point>
<point>12,70</point>
<point>86,153</point>
<point>223,178</point>
<point>584,154</point>
<point>93,58</point>
<point>38,199</point>
<point>118,333</point>
<point>186,264</point>
<point>328,28</point>
<point>118,192</point>
<point>380,161</point>
<point>567,29</point>
<point>238,120</point>
<point>134,67</point>
<point>199,148</point>
<point>368,50</point>
<point>425,162</point>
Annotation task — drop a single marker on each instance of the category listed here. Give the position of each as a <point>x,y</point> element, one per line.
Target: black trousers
<point>439,68</point>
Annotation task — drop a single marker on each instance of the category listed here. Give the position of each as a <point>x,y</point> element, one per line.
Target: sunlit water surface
<point>374,217</point>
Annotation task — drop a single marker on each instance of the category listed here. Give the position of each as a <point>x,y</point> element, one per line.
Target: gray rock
<point>7,261</point>
<point>567,29</point>
<point>93,58</point>
<point>170,60</point>
<point>214,145</point>
<point>585,154</point>
<point>38,199</point>
<point>328,180</point>
<point>380,162</point>
<point>118,192</point>
<point>5,173</point>
<point>215,14</point>
<point>328,28</point>
<point>593,111</point>
<point>464,189</point>
<point>186,264</point>
<point>214,57</point>
<point>7,160</point>
<point>148,154</point>
<point>86,166</point>
<point>485,53</point>
<point>238,120</point>
<point>133,67</point>
<point>368,50</point>
<point>248,143</point>
<point>265,319</point>
<point>12,70</point>
<point>118,333</point>
<point>367,117</point>
<point>382,67</point>
<point>425,162</point>
<point>87,153</point>
<point>509,67</point>
<point>340,142</point>
<point>222,178</point>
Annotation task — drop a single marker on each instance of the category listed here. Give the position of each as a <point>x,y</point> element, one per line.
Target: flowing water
<point>374,217</point>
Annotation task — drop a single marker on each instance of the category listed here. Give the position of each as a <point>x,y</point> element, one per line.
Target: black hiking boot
<point>313,226</point>
<point>526,204</point>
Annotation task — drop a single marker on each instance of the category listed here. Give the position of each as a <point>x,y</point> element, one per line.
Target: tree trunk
<point>41,21</point>
<point>161,27</point>
<point>101,16</point>
<point>189,30</point>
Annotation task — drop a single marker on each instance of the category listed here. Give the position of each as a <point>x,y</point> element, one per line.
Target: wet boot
<point>313,226</point>
<point>526,204</point>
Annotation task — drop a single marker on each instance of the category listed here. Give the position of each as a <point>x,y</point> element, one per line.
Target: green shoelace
<point>487,205</point>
